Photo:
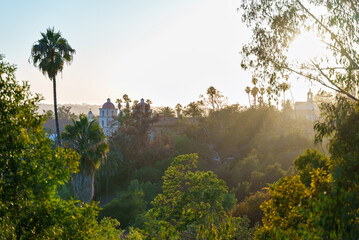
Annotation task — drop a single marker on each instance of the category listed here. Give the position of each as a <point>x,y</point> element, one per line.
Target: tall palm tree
<point>49,54</point>
<point>254,92</point>
<point>269,93</point>
<point>166,112</point>
<point>119,101</point>
<point>254,81</point>
<point>262,91</point>
<point>86,138</point>
<point>148,101</point>
<point>248,91</point>
<point>284,87</point>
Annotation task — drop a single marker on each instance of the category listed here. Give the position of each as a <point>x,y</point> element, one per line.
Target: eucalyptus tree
<point>88,139</point>
<point>215,99</point>
<point>49,54</point>
<point>276,24</point>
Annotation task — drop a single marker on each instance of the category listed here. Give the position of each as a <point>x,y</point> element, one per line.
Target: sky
<point>169,51</point>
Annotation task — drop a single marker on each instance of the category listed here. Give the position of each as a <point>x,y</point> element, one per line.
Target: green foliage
<point>273,173</point>
<point>250,207</point>
<point>86,138</point>
<point>335,214</point>
<point>281,212</point>
<point>148,174</point>
<point>323,197</point>
<point>31,169</point>
<point>305,163</point>
<point>289,211</point>
<point>108,229</point>
<point>65,113</point>
<point>229,201</point>
<point>194,109</point>
<point>214,99</point>
<point>283,21</point>
<point>127,206</point>
<point>49,54</point>
<point>166,112</point>
<point>49,114</point>
<point>191,205</point>
<point>185,145</point>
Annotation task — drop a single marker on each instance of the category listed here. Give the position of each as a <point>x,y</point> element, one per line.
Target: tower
<point>310,96</point>
<point>90,116</point>
<point>143,109</point>
<point>106,118</point>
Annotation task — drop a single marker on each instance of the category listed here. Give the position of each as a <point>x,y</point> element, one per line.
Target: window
<point>103,123</point>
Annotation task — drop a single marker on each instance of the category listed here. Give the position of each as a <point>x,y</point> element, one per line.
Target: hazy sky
<point>169,51</point>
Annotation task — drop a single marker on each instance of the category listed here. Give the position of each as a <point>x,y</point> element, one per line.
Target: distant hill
<point>80,108</point>
<point>75,108</point>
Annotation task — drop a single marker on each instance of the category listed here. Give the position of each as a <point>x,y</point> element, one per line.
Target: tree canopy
<point>192,206</point>
<point>49,54</point>
<point>275,25</point>
<point>31,170</point>
<point>86,138</point>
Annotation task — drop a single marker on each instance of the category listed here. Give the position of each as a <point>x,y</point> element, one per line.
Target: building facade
<point>106,118</point>
<point>307,109</point>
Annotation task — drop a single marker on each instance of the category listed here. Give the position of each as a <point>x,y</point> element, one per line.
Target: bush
<point>250,207</point>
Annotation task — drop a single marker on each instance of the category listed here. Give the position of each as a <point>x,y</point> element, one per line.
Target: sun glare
<point>306,47</point>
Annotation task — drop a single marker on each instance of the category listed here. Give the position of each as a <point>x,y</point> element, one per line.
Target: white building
<point>307,109</point>
<point>106,118</point>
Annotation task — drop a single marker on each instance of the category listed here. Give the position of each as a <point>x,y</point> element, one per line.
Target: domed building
<point>106,118</point>
<point>143,108</point>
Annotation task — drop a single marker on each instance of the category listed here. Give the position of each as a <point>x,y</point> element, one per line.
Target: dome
<point>90,113</point>
<point>108,104</point>
<point>142,103</point>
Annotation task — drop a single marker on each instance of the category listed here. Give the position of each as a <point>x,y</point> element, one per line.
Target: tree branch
<point>353,7</point>
<point>333,83</point>
<point>306,76</point>
<point>342,49</point>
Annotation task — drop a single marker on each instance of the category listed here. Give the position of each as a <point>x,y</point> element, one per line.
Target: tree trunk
<point>83,184</point>
<point>107,188</point>
<point>249,100</point>
<point>55,109</point>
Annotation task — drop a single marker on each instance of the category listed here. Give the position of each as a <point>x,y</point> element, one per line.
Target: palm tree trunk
<point>107,188</point>
<point>83,184</point>
<point>249,100</point>
<point>55,109</point>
